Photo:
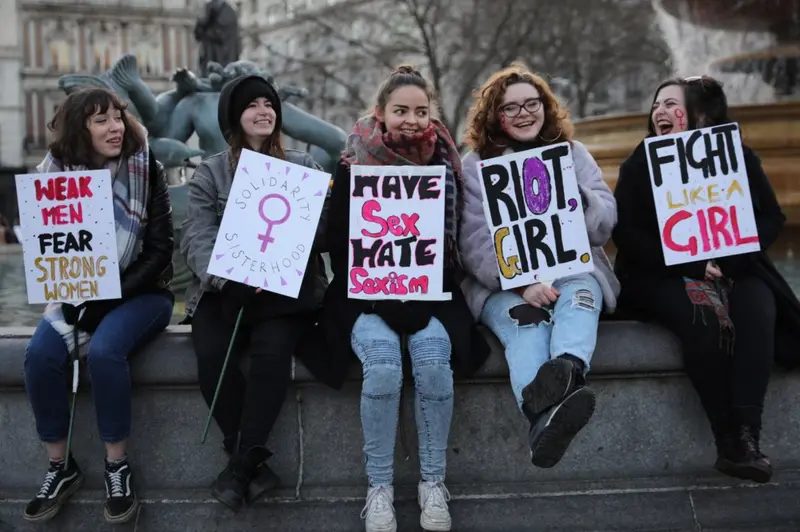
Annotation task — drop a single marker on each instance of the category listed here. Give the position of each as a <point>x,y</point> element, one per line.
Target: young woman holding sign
<point>402,131</point>
<point>723,311</point>
<point>549,331</point>
<point>272,324</point>
<point>92,130</point>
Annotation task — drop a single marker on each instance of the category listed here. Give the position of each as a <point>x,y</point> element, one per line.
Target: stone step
<point>670,503</point>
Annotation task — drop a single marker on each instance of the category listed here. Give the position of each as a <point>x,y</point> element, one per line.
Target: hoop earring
<point>560,131</point>
<point>498,144</point>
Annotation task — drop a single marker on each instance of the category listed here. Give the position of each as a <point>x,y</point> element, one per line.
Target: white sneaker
<point>378,512</point>
<point>433,497</point>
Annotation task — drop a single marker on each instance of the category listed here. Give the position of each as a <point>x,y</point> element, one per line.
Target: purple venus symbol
<point>265,236</point>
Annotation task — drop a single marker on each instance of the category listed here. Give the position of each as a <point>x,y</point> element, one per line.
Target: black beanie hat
<point>237,94</point>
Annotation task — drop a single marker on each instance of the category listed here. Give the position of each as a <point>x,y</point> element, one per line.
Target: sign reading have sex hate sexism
<point>269,223</point>
<point>396,246</point>
<point>533,207</point>
<point>69,240</point>
<point>702,194</point>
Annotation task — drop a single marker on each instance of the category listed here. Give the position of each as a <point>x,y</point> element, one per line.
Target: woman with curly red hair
<point>548,331</point>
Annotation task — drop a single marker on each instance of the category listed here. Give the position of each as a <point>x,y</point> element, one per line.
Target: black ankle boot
<point>264,479</point>
<point>739,455</point>
<point>232,485</point>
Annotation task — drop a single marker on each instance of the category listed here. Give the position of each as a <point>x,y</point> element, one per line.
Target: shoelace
<point>44,491</point>
<point>115,478</point>
<point>381,498</point>
<point>438,496</point>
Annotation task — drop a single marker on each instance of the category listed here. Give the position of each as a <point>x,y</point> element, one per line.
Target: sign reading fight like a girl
<point>396,246</point>
<point>533,207</point>
<point>269,223</point>
<point>702,195</point>
<point>69,239</point>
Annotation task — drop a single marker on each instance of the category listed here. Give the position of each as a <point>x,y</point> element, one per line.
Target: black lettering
<point>727,130</point>
<point>423,255</point>
<point>365,181</point>
<point>405,249</point>
<point>561,254</point>
<point>657,160</point>
<point>495,194</point>
<point>535,231</point>
<point>360,253</point>
<point>391,187</point>
<point>555,155</point>
<point>428,187</point>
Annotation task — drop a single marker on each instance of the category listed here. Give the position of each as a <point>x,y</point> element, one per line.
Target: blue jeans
<point>48,374</point>
<point>570,327</point>
<point>378,348</point>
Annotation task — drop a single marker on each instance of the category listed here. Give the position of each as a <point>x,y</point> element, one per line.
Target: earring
<point>560,131</point>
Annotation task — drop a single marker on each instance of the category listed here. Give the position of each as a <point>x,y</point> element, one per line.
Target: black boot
<point>232,484</point>
<point>739,455</point>
<point>556,379</point>
<point>264,479</point>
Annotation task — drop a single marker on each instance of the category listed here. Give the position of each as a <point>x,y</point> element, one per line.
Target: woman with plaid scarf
<point>92,130</point>
<point>402,131</point>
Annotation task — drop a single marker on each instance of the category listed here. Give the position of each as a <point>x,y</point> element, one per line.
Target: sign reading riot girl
<point>702,195</point>
<point>396,246</point>
<point>533,207</point>
<point>269,223</point>
<point>69,239</point>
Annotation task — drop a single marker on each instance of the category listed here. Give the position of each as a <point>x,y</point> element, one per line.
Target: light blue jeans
<point>378,348</point>
<point>570,327</point>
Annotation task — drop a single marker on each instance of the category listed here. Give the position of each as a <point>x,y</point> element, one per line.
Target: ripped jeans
<point>568,326</point>
<point>378,348</point>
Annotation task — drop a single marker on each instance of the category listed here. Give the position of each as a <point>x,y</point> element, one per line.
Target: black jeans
<point>731,386</point>
<point>249,402</point>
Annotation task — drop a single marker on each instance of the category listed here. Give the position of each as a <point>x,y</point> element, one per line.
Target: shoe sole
<point>745,472</point>
<point>122,518</point>
<point>433,526</point>
<point>568,419</point>
<point>551,384</point>
<point>53,511</point>
<point>391,528</point>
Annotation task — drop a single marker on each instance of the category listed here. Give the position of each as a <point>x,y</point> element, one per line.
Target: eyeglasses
<point>512,110</point>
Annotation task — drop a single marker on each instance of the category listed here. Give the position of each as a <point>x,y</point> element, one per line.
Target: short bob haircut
<point>691,108</point>
<point>484,134</point>
<point>72,142</point>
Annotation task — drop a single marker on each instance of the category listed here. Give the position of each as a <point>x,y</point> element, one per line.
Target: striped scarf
<point>367,145</point>
<point>130,190</point>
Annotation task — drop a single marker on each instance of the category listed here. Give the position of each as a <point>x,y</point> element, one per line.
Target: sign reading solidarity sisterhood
<point>533,207</point>
<point>270,220</point>
<point>396,232</point>
<point>68,236</point>
<point>702,194</point>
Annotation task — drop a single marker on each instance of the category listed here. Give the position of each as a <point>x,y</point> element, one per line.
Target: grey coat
<point>475,239</point>
<point>208,195</point>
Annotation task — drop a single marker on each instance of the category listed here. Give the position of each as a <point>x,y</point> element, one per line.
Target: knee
<point>382,380</point>
<point>434,380</point>
<point>42,356</point>
<point>103,353</point>
<point>430,344</point>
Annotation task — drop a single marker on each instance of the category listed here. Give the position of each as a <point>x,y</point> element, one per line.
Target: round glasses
<point>514,109</point>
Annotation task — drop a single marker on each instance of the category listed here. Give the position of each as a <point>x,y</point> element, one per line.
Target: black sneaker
<point>60,482</point>
<point>555,380</point>
<point>121,501</point>
<point>554,429</point>
<point>232,486</point>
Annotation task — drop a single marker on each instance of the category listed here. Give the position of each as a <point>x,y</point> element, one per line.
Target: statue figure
<point>217,31</point>
<point>191,107</point>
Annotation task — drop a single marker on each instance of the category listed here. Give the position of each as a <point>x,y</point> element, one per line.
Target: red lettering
<point>63,214</point>
<point>398,226</point>
<point>702,224</point>
<point>717,223</point>
<point>366,212</point>
<point>666,234</point>
<point>737,237</point>
<point>63,188</point>
<point>41,191</point>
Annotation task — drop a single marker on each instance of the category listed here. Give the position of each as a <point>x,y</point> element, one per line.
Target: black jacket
<point>640,258</point>
<point>151,271</point>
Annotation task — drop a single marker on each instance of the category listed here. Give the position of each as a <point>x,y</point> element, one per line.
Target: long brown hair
<point>272,146</point>
<point>484,134</point>
<point>72,142</point>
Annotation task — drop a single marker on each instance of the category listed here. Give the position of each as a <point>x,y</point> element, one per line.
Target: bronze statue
<point>217,31</point>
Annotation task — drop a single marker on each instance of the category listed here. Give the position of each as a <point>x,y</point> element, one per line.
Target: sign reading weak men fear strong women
<point>69,240</point>
<point>269,224</point>
<point>533,205</point>
<point>396,233</point>
<point>702,195</point>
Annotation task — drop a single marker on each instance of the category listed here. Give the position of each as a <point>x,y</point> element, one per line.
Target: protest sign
<point>702,195</point>
<point>396,241</point>
<point>69,240</point>
<point>533,207</point>
<point>269,223</point>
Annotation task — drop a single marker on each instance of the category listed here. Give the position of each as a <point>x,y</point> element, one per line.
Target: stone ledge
<point>623,347</point>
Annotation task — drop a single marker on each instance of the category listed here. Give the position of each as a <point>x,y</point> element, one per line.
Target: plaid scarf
<point>368,144</point>
<point>130,190</point>
<point>713,295</point>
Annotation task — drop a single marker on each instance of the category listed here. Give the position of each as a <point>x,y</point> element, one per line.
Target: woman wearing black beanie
<point>249,402</point>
